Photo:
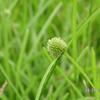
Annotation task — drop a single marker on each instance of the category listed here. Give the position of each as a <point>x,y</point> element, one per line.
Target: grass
<point>26,26</point>
<point>46,77</point>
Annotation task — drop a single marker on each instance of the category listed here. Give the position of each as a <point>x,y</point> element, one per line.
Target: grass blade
<point>46,78</point>
<point>9,82</point>
<point>90,18</point>
<point>94,70</point>
<point>70,82</point>
<point>47,23</point>
<point>80,69</point>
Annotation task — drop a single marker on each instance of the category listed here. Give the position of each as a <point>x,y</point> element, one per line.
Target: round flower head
<point>56,46</point>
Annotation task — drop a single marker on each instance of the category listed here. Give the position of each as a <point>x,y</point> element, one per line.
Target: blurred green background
<point>26,26</point>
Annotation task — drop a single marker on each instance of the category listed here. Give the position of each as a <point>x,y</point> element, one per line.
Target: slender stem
<point>46,77</point>
<point>74,27</point>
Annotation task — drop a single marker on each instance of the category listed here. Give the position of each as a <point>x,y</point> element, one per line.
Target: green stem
<point>46,77</point>
<point>74,27</point>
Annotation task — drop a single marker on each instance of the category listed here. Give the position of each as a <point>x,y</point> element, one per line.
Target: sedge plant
<point>56,47</point>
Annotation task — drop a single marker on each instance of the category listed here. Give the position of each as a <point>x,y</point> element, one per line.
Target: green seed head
<point>56,46</point>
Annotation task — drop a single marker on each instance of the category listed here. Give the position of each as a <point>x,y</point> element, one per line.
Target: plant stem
<point>46,77</point>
